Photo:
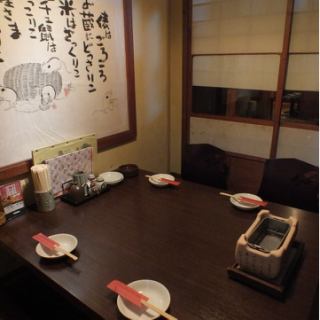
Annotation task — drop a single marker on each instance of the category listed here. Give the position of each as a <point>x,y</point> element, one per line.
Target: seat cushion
<point>206,164</point>
<point>291,182</point>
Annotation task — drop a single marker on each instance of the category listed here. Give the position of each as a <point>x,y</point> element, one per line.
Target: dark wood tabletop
<point>183,237</point>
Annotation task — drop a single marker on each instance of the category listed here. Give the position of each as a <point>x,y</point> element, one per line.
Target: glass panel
<point>300,101</point>
<point>300,106</point>
<point>254,104</point>
<point>233,102</point>
<point>209,100</point>
<point>242,26</point>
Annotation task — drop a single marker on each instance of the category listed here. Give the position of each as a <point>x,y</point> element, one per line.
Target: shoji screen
<point>303,75</point>
<point>236,44</point>
<point>237,26</point>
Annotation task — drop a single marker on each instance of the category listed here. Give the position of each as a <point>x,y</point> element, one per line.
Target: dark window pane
<point>254,104</point>
<point>209,100</point>
<point>233,102</point>
<point>300,106</point>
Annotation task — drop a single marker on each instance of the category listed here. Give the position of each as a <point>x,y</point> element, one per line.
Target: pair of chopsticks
<point>245,200</point>
<point>53,245</point>
<point>168,181</point>
<point>136,298</point>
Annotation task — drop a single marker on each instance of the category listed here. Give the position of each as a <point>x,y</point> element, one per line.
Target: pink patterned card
<point>62,168</point>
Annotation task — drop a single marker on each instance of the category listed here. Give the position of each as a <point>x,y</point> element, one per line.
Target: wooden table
<point>182,237</point>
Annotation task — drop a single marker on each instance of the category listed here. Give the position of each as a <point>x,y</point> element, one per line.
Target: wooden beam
<point>14,170</point>
<point>281,79</point>
<point>256,121</point>
<point>187,73</point>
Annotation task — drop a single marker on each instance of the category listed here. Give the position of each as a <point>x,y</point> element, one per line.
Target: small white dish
<point>112,177</point>
<point>155,179</point>
<point>245,206</point>
<point>67,241</point>
<point>157,293</point>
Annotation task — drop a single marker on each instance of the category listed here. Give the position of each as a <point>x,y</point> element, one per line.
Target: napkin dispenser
<point>262,250</point>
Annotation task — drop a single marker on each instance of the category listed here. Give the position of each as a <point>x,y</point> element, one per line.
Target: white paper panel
<point>300,144</point>
<point>62,73</point>
<point>197,2</point>
<point>305,27</point>
<point>237,71</point>
<point>243,138</point>
<point>303,72</point>
<point>242,26</point>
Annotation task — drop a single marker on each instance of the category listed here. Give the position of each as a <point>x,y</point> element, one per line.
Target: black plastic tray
<point>277,287</point>
<point>67,198</point>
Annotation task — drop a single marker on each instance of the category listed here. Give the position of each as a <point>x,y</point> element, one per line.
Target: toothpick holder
<point>45,201</point>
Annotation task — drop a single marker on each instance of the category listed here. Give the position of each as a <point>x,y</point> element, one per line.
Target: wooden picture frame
<point>106,142</point>
<point>129,135</point>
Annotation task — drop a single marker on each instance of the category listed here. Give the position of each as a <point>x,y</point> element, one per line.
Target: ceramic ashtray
<point>129,170</point>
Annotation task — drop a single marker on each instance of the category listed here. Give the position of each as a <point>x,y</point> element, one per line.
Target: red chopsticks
<point>252,201</point>
<point>52,245</point>
<point>172,182</point>
<point>242,199</point>
<point>135,297</point>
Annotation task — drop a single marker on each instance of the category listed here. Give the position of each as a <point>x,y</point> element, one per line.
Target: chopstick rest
<point>135,297</point>
<point>52,245</point>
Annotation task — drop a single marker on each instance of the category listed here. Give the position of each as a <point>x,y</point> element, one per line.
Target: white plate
<point>112,177</point>
<point>157,293</point>
<point>245,206</point>
<point>67,241</point>
<point>155,179</point>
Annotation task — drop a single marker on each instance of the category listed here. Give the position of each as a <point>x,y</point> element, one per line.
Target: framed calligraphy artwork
<point>66,70</point>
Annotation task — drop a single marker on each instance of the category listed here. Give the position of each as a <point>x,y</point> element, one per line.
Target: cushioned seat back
<point>291,182</point>
<point>206,164</point>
